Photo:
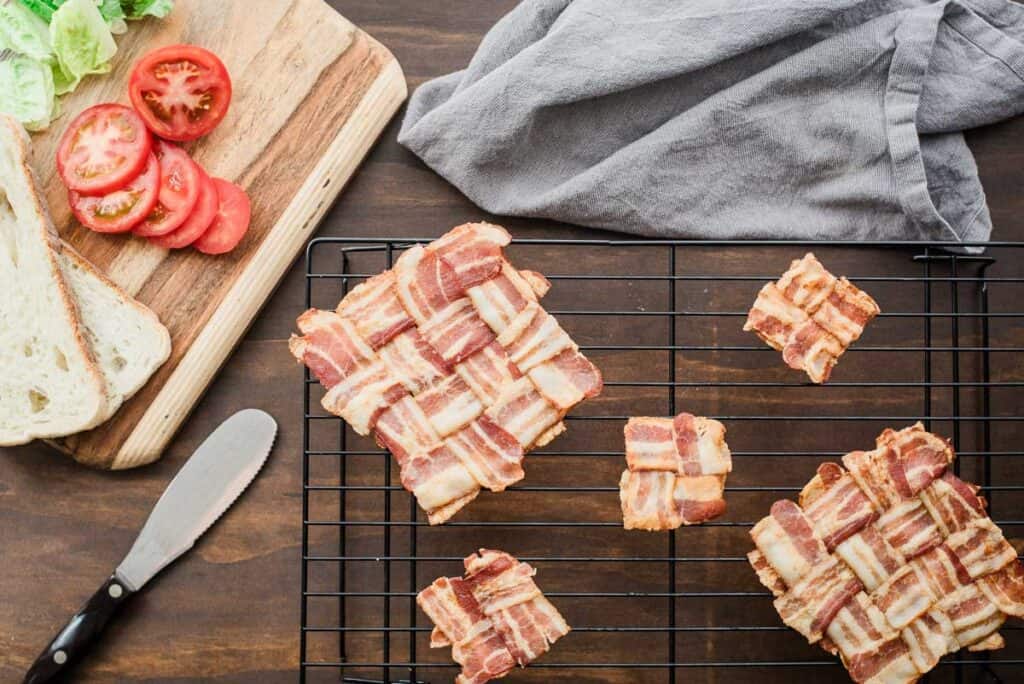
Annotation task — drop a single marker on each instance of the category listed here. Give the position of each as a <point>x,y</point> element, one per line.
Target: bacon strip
<point>841,510</point>
<point>330,346</point>
<point>1005,588</point>
<point>928,638</point>
<point>363,396</point>
<point>495,617</point>
<point>787,540</point>
<point>870,557</point>
<point>490,454</point>
<point>567,379</point>
<point>534,337</point>
<point>487,372</point>
<point>450,405</point>
<point>523,413</point>
<point>810,316</point>
<point>425,283</point>
<point>375,309</point>
<point>404,429</point>
<point>413,361</point>
<point>811,604</point>
<point>456,331</point>
<point>974,617</point>
<point>501,299</point>
<point>909,528</point>
<point>474,251</point>
<point>981,548</point>
<point>952,503</point>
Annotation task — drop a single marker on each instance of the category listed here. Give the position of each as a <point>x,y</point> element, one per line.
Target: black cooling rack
<point>663,321</point>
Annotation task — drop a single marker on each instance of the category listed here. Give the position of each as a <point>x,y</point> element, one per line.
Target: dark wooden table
<point>229,612</point>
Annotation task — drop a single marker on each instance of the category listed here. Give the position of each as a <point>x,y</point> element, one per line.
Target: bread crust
<point>12,130</point>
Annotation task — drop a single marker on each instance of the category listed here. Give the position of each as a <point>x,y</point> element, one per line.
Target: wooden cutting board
<point>311,94</point>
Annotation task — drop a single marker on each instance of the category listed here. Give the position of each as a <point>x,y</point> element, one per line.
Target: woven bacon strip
<point>676,470</point>
<point>494,617</point>
<point>811,317</point>
<point>891,562</point>
<point>450,361</point>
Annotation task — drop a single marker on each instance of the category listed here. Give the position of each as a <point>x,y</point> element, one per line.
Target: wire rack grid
<point>663,320</point>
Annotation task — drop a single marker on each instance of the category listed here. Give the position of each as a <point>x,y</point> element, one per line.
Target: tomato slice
<point>103,149</point>
<point>230,224</point>
<point>198,221</point>
<point>121,210</point>
<point>179,191</point>
<point>181,91</point>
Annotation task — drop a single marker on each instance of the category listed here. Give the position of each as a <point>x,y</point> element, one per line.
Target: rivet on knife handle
<point>77,637</point>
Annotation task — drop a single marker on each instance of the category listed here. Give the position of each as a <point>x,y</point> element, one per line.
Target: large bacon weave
<point>810,316</point>
<point>450,361</point>
<point>494,617</point>
<point>890,562</point>
<point>676,470</point>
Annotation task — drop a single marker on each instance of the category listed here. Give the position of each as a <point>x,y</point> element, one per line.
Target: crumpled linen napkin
<point>806,119</point>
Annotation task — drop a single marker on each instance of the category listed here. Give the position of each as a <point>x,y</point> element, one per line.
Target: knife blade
<point>210,481</point>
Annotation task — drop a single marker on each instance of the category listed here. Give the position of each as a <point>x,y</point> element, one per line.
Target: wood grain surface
<point>311,94</point>
<point>229,611</point>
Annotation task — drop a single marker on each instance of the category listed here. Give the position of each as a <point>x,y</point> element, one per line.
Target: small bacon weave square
<point>452,363</point>
<point>811,316</point>
<point>890,562</point>
<point>676,470</point>
<point>494,617</point>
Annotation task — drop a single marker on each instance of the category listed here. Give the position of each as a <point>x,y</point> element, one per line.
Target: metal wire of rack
<point>663,320</point>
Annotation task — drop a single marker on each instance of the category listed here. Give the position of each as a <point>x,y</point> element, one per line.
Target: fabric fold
<point>805,119</point>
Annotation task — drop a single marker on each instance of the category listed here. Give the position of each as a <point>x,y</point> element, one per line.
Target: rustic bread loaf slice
<point>50,384</point>
<point>127,339</point>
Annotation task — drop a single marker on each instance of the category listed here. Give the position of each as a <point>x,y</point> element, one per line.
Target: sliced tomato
<point>181,91</point>
<point>179,191</point>
<point>230,224</point>
<point>198,221</point>
<point>121,210</point>
<point>103,149</point>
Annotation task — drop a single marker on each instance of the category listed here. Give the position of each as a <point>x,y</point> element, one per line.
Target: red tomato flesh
<point>230,224</point>
<point>179,191</point>
<point>181,91</point>
<point>198,221</point>
<point>121,210</point>
<point>103,149</point>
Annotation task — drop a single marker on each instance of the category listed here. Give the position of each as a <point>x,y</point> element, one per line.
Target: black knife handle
<point>77,637</point>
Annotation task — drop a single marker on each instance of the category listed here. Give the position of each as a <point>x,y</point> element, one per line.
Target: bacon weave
<point>450,361</point>
<point>810,316</point>
<point>891,564</point>
<point>676,470</point>
<point>494,617</point>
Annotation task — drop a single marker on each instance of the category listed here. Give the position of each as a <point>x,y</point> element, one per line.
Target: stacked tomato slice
<point>123,175</point>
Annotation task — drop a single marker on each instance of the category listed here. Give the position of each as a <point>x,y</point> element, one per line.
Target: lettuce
<point>81,40</point>
<point>24,32</point>
<point>26,90</point>
<point>137,9</point>
<point>43,9</point>
<point>112,11</point>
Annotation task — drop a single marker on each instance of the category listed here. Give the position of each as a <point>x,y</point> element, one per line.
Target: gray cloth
<point>730,118</point>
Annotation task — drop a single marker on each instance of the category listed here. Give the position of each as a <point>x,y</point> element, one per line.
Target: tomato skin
<point>103,149</point>
<point>181,91</point>
<point>198,221</point>
<point>231,223</point>
<point>179,191</point>
<point>122,209</point>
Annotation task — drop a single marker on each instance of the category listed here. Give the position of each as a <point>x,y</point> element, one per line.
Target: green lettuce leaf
<point>81,40</point>
<point>112,11</point>
<point>43,9</point>
<point>137,9</point>
<point>26,90</point>
<point>24,32</point>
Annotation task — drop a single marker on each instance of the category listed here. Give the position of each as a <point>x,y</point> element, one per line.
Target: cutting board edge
<point>233,316</point>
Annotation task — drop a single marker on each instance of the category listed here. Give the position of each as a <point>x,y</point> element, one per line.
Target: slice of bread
<point>127,339</point>
<point>50,384</point>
